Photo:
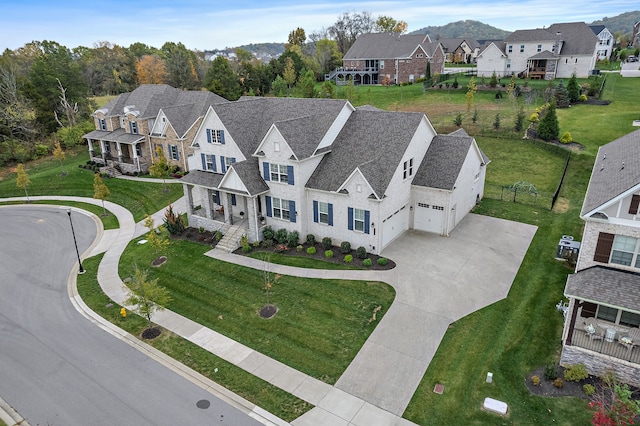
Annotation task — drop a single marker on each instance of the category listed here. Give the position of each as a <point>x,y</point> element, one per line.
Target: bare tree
<point>70,110</point>
<point>349,26</point>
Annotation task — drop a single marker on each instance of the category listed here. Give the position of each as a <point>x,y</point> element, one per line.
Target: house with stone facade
<point>601,327</point>
<point>605,41</point>
<point>558,51</point>
<point>324,167</point>
<point>131,127</point>
<point>460,50</point>
<point>376,58</point>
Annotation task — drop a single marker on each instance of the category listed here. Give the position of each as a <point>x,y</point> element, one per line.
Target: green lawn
<point>248,386</point>
<point>140,198</point>
<point>321,324</point>
<point>298,261</point>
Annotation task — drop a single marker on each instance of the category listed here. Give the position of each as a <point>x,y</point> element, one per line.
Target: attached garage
<point>428,217</point>
<point>394,225</point>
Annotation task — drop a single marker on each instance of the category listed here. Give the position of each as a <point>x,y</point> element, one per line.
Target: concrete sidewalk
<point>437,281</point>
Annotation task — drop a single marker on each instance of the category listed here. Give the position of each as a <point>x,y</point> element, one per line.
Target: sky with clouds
<point>216,24</point>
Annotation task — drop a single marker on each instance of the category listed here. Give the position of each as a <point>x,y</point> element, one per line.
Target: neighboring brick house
<point>635,36</point>
<point>323,167</point>
<point>606,284</point>
<point>555,52</point>
<point>605,41</point>
<point>131,126</point>
<point>460,50</point>
<point>397,58</point>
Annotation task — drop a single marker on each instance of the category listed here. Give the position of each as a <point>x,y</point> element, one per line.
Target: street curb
<point>11,416</point>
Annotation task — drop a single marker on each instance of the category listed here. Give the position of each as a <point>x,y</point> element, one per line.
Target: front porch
<point>118,149</point>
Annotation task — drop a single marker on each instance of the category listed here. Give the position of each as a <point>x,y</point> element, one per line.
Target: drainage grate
<point>203,403</point>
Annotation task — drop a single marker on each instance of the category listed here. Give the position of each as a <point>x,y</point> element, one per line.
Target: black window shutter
<point>635,201</point>
<point>603,247</point>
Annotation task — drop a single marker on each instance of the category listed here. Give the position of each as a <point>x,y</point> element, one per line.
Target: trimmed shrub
<point>246,249</point>
<point>348,258</point>
<point>293,239</point>
<point>583,98</point>
<point>566,138</point>
<point>550,372</point>
<point>361,252</point>
<point>326,243</point>
<point>267,243</point>
<point>367,262</point>
<point>218,235</point>
<point>311,250</point>
<point>281,236</point>
<point>382,261</point>
<point>535,380</point>
<point>559,383</point>
<point>345,247</point>
<point>299,248</point>
<point>328,253</point>
<point>588,389</point>
<point>267,233</point>
<point>575,373</point>
<point>311,239</point>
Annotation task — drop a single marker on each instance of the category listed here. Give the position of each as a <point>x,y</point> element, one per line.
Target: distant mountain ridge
<point>460,29</point>
<point>622,23</point>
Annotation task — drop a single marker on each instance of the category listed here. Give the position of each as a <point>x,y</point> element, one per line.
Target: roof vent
<point>622,168</point>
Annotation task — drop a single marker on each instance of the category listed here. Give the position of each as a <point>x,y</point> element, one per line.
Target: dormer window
<point>215,136</point>
<point>133,127</point>
<point>103,123</point>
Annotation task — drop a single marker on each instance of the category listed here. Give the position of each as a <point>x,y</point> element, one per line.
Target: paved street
<point>56,367</point>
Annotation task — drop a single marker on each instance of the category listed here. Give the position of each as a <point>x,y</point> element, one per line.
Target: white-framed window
<point>522,48</point>
<point>107,147</point>
<point>138,150</point>
<point>510,48</point>
<point>539,49</point>
<point>215,136</point>
<point>134,127</point>
<point>278,173</point>
<point>508,63</point>
<point>358,220</point>
<point>407,169</point>
<point>280,208</point>
<point>323,212</point>
<point>381,64</point>
<point>173,152</point>
<point>103,123</point>
<point>618,316</point>
<point>228,161</point>
<point>209,161</point>
<point>625,251</point>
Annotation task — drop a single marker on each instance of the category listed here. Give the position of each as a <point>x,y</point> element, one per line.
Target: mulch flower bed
<point>569,388</point>
<point>194,235</point>
<point>338,257</point>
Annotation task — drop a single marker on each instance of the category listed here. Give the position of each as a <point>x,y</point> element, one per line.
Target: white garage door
<point>428,218</point>
<point>395,225</point>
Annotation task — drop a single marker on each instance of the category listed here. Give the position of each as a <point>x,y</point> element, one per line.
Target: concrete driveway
<point>438,280</point>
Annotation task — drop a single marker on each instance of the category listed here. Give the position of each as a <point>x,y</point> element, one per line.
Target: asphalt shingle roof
<point>372,141</point>
<point>249,174</point>
<point>606,285</point>
<point>577,38</point>
<point>443,161</point>
<point>118,135</point>
<point>609,178</point>
<point>202,178</point>
<point>385,46</point>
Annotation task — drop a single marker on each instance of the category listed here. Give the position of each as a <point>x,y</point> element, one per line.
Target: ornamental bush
<point>535,380</point>
<point>345,247</point>
<point>361,252</point>
<point>367,262</point>
<point>550,372</point>
<point>326,243</point>
<point>328,254</point>
<point>281,236</point>
<point>575,373</point>
<point>348,258</point>
<point>293,239</point>
<point>588,389</point>
<point>559,383</point>
<point>382,261</point>
<point>311,239</point>
<point>566,138</point>
<point>311,250</point>
<point>267,233</point>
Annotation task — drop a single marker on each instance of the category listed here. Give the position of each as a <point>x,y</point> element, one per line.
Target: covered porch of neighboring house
<point>342,75</point>
<point>541,66</point>
<point>602,326</point>
<point>117,149</point>
<point>216,208</point>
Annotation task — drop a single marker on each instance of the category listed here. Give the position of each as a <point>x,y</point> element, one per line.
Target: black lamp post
<point>81,269</point>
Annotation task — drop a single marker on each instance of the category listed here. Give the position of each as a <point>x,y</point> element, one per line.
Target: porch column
<point>226,203</point>
<point>103,152</point>
<point>187,189</point>
<point>134,155</point>
<point>119,148</point>
<point>206,197</point>
<point>253,219</point>
<point>90,144</point>
<point>573,309</point>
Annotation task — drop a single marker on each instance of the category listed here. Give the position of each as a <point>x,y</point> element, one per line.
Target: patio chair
<point>630,338</point>
<point>593,329</point>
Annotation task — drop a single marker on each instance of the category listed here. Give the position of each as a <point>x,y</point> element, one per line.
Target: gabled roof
<point>500,45</point>
<point>601,284</point>
<point>597,29</point>
<point>118,135</point>
<point>249,173</point>
<point>443,162</point>
<point>616,170</point>
<point>577,38</point>
<point>537,34</point>
<point>190,105</point>
<point>545,54</point>
<point>451,44</point>
<point>249,119</point>
<point>385,46</point>
<point>371,141</point>
<point>202,178</point>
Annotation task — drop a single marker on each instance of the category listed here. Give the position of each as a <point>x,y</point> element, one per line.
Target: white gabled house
<point>323,167</point>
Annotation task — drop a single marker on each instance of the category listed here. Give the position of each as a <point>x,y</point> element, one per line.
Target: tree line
<point>47,90</point>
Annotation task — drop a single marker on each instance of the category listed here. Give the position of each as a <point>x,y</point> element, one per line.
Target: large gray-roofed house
<point>131,127</point>
<point>322,167</point>
<point>385,45</point>
<point>605,285</point>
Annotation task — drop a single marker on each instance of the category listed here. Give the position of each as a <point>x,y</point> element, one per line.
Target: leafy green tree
<point>145,295</point>
<point>289,73</point>
<point>493,82</point>
<point>17,114</point>
<point>496,122</point>
<point>519,122</point>
<point>279,87</point>
<point>306,85</point>
<point>471,91</point>
<point>327,55</point>
<point>100,191</point>
<point>222,80</point>
<point>151,69</point>
<point>573,88</point>
<point>386,24</point>
<point>107,68</point>
<point>561,96</point>
<point>548,128</point>
<point>156,239</point>
<point>181,66</point>
<point>22,180</point>
<point>474,117</point>
<point>296,37</point>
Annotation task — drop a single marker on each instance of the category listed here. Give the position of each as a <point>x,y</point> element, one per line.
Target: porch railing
<point>614,349</point>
